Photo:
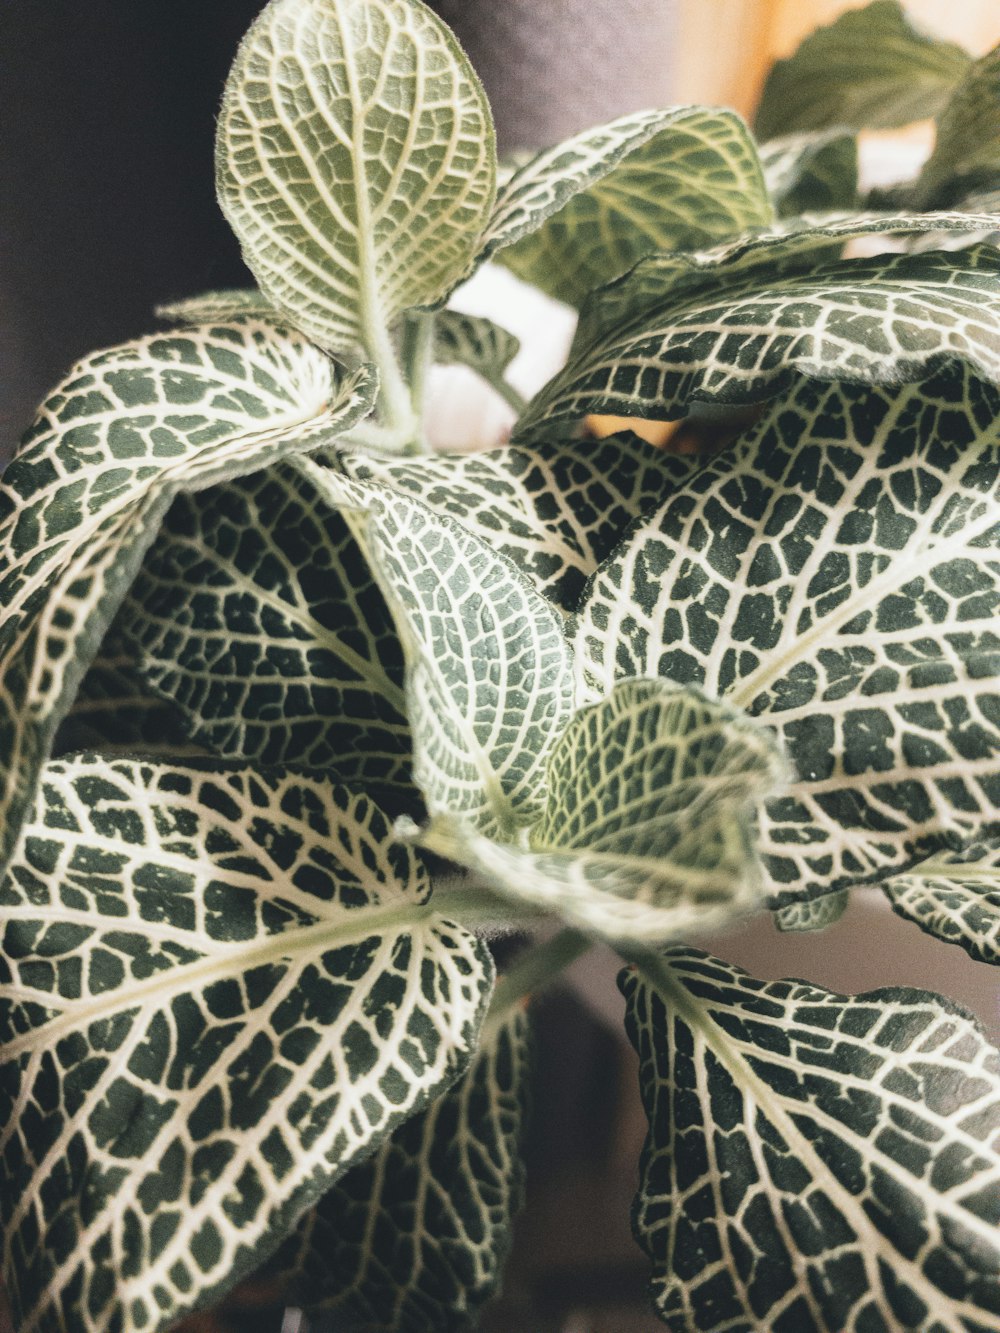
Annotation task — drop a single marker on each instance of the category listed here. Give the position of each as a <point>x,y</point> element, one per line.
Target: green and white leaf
<point>815,1162</point>
<point>813,913</point>
<point>648,832</point>
<point>955,896</point>
<point>811,172</point>
<point>414,1239</point>
<point>355,162</point>
<point>556,511</point>
<point>587,210</point>
<point>210,307</point>
<point>837,575</point>
<point>489,680</point>
<point>881,320</point>
<point>82,499</point>
<point>224,988</point>
<point>871,69</point>
<point>967,146</point>
<point>256,614</point>
<point>471,340</point>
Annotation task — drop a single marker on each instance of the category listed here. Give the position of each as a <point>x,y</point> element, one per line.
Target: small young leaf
<point>648,828</point>
<point>837,575</point>
<point>356,162</point>
<point>82,499</point>
<point>470,340</point>
<point>815,1162</point>
<point>955,896</point>
<point>414,1240</point>
<point>968,135</point>
<point>219,306</point>
<point>811,172</point>
<point>814,913</point>
<point>871,69</point>
<point>587,210</point>
<point>255,613</point>
<point>224,989</point>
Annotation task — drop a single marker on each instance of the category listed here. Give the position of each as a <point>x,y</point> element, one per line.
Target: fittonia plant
<point>294,714</point>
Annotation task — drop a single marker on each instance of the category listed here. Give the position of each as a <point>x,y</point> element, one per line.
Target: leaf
<point>870,70</point>
<point>415,1238</point>
<point>210,307</point>
<point>587,210</point>
<point>470,340</point>
<point>355,162</point>
<point>967,144</point>
<point>812,172</point>
<point>83,498</point>
<point>955,896</point>
<point>555,511</point>
<point>488,674</point>
<point>881,320</point>
<point>813,914</point>
<point>836,575</point>
<point>224,988</point>
<point>648,828</point>
<point>255,613</point>
<point>814,1161</point>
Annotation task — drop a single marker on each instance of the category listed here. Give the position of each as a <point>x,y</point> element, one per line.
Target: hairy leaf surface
<point>871,69</point>
<point>223,989</point>
<point>815,1162</point>
<point>955,896</point>
<point>836,575</point>
<point>356,162</point>
<point>811,172</point>
<point>82,499</point>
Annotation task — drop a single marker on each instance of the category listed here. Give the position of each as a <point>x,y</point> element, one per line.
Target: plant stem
<point>509,394</point>
<point>540,964</point>
<point>418,357</point>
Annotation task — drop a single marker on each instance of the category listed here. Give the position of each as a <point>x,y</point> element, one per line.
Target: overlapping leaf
<point>223,988</point>
<point>813,913</point>
<point>967,146</point>
<point>836,575</point>
<point>587,210</point>
<point>355,162</point>
<point>648,827</point>
<point>871,69</point>
<point>414,1240</point>
<point>813,172</point>
<point>470,340</point>
<point>83,498</point>
<point>255,613</point>
<point>955,896</point>
<point>815,1162</point>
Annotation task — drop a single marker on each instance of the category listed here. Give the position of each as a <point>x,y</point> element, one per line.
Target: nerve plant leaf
<point>871,69</point>
<point>811,172</point>
<point>815,1162</point>
<point>82,499</point>
<point>587,210</point>
<point>813,913</point>
<point>224,988</point>
<point>256,614</point>
<point>967,145</point>
<point>647,832</point>
<point>470,340</point>
<point>414,1239</point>
<point>210,307</point>
<point>356,162</point>
<point>837,576</point>
<point>955,896</point>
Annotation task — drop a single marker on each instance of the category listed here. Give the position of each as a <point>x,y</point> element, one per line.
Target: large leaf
<point>223,989</point>
<point>886,319</point>
<point>967,146</point>
<point>556,511</point>
<point>355,162</point>
<point>836,575</point>
<point>648,828</point>
<point>414,1240</point>
<point>871,69</point>
<point>811,172</point>
<point>82,499</point>
<point>489,682</point>
<point>955,896</point>
<point>256,614</point>
<point>816,1163</point>
<point>585,211</point>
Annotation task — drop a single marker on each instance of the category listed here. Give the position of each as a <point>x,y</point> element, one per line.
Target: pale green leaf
<point>955,896</point>
<point>837,575</point>
<point>967,146</point>
<point>587,210</point>
<point>255,613</point>
<point>356,162</point>
<point>813,172</point>
<point>223,989</point>
<point>813,913</point>
<point>648,828</point>
<point>84,496</point>
<point>871,69</point>
<point>816,1163</point>
<point>414,1240</point>
<point>210,307</point>
<point>556,510</point>
<point>881,320</point>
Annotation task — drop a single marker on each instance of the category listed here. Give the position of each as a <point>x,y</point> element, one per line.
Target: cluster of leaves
<point>292,712</point>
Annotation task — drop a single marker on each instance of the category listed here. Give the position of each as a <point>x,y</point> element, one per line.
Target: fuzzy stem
<point>539,965</point>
